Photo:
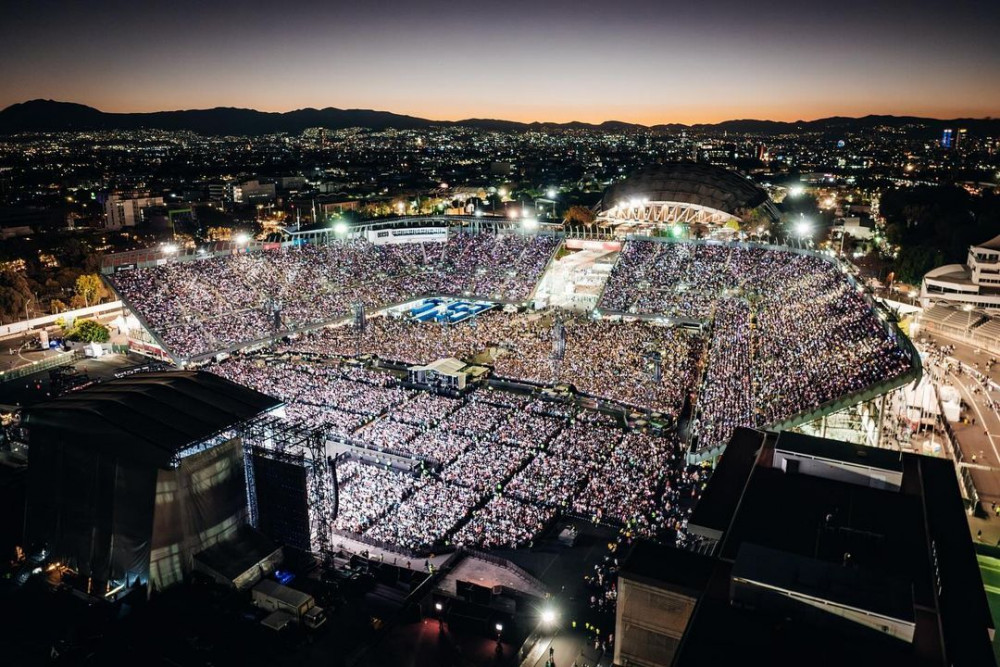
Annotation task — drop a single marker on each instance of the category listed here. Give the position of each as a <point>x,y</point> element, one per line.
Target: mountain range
<point>53,116</point>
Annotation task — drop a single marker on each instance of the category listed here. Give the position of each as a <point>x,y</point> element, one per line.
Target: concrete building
<point>125,211</point>
<point>808,551</point>
<point>976,284</point>
<point>254,192</point>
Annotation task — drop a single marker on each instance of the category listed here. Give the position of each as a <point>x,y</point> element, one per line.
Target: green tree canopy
<point>89,331</point>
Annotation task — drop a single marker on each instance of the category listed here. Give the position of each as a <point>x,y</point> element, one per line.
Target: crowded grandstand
<point>593,415</point>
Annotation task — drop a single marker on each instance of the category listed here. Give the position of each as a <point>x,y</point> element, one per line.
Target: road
<point>568,648</point>
<point>979,442</point>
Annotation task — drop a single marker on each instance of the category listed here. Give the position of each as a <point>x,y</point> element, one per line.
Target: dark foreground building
<point>130,479</point>
<point>811,552</point>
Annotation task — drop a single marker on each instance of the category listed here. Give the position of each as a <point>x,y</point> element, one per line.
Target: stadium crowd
<point>786,334</point>
<point>215,303</point>
<point>789,332</point>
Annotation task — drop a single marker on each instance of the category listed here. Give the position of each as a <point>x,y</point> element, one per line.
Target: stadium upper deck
<point>197,308</point>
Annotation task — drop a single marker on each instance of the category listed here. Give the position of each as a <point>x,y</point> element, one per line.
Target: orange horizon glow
<point>641,61</point>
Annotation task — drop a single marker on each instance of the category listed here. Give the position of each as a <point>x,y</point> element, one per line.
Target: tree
<point>89,331</point>
<point>57,306</point>
<point>90,289</point>
<point>580,215</point>
<point>15,293</point>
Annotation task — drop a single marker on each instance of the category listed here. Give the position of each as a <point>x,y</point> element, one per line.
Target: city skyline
<point>641,62</point>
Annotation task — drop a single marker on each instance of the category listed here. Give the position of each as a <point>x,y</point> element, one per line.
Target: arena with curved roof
<point>685,193</point>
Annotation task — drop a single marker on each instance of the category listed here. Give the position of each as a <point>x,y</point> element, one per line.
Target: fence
<point>507,565</point>
<point>61,359</point>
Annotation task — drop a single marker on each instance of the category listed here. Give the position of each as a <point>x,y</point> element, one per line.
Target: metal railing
<point>60,359</point>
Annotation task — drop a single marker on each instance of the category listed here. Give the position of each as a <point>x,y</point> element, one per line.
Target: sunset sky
<point>633,60</point>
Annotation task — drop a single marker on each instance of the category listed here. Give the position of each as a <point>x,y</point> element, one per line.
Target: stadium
<point>460,406</point>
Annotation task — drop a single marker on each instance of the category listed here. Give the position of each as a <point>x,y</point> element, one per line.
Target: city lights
<point>557,334</point>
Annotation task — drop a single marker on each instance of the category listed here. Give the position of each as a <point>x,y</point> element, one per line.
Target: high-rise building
<point>124,211</point>
<point>960,137</point>
<point>946,138</point>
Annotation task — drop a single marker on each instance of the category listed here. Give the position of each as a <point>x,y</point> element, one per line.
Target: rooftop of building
<point>695,183</point>
<point>821,541</point>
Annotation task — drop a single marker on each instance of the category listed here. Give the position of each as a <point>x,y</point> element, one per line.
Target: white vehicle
<point>272,596</point>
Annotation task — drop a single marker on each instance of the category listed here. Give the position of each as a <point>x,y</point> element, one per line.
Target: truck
<point>301,607</point>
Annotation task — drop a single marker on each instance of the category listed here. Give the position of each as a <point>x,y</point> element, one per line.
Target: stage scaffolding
<point>275,439</point>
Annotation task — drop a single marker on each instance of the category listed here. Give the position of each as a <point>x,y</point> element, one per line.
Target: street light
<point>551,193</point>
<point>548,616</point>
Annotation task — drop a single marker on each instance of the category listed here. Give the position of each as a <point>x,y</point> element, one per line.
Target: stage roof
<point>149,416</point>
<point>689,183</point>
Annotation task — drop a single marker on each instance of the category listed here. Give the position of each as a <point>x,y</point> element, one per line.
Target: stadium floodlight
<point>796,191</point>
<point>551,193</point>
<point>530,223</point>
<point>170,248</point>
<point>340,228</point>
<point>803,228</point>
<point>548,616</point>
<point>243,238</point>
<point>676,230</point>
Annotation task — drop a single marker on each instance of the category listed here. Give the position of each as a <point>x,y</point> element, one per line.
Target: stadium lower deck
<point>782,334</point>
